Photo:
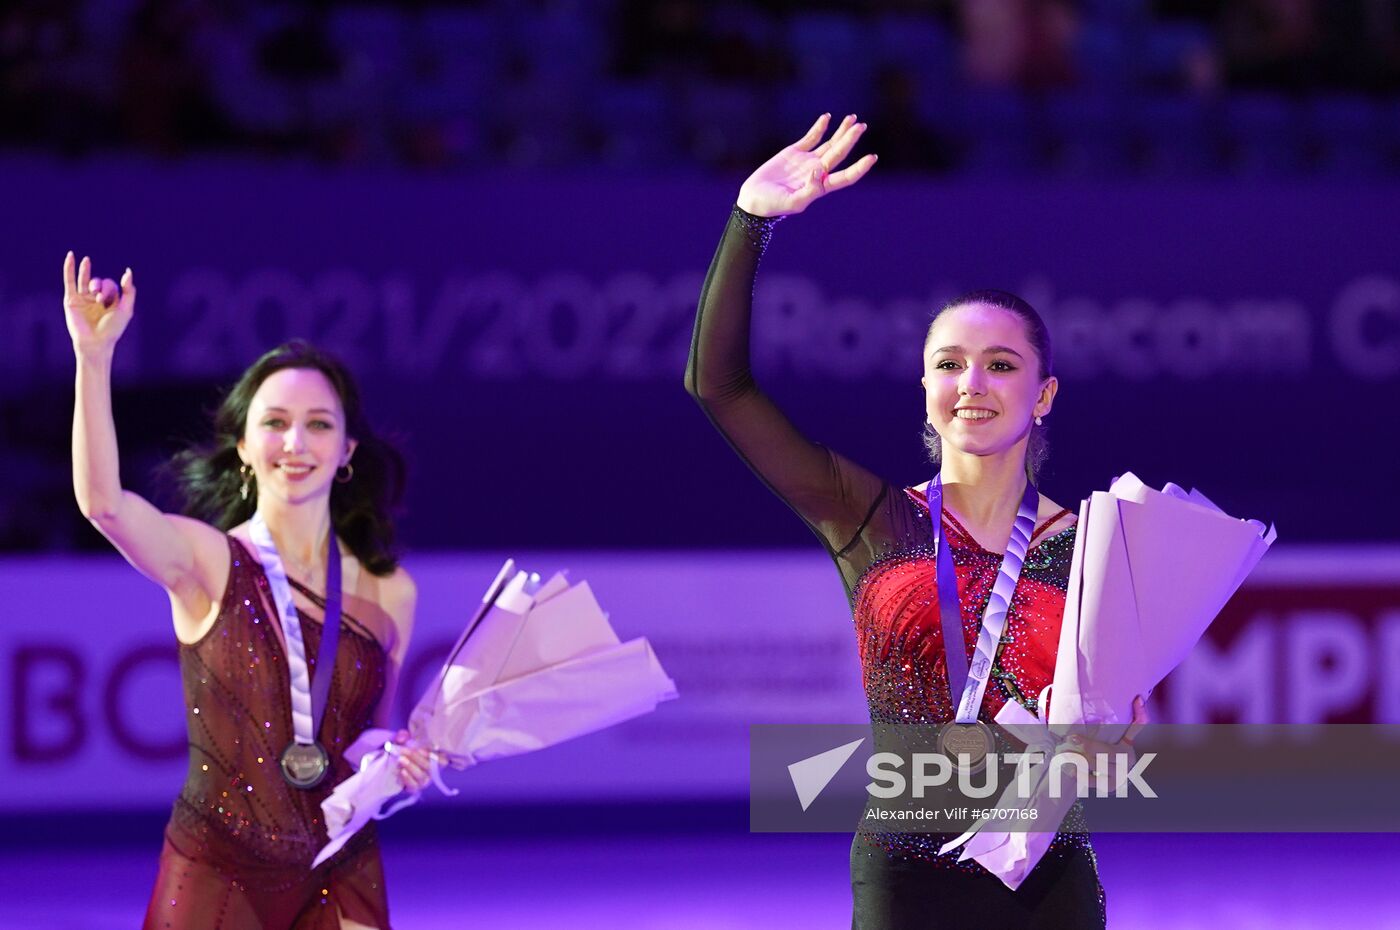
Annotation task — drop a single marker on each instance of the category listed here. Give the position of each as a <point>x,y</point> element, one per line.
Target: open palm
<point>789,181</point>
<point>96,309</point>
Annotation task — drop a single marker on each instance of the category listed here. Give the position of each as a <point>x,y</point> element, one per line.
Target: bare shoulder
<point>398,589</point>
<point>210,543</point>
<point>398,597</point>
<point>205,538</point>
<point>195,601</point>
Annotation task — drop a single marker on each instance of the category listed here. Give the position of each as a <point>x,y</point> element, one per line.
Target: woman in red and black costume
<point>988,385</point>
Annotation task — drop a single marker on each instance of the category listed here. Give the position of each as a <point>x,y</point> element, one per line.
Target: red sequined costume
<point>901,638</point>
<point>880,537</point>
<point>239,844</point>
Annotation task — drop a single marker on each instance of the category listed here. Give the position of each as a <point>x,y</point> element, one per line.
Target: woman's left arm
<point>399,599</point>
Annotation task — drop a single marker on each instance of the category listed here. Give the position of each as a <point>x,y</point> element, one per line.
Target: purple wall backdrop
<point>527,334</point>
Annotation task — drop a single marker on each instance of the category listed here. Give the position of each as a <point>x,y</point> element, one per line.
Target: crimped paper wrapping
<point>1151,570</point>
<point>542,666</point>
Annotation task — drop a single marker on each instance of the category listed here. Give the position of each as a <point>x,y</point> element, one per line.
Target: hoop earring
<point>246,471</point>
<point>349,473</point>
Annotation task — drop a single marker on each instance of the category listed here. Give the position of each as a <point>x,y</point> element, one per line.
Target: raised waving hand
<point>180,554</point>
<point>97,309</point>
<point>788,182</point>
<point>833,495</point>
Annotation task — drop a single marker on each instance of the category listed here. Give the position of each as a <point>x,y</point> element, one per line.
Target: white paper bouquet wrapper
<point>1151,570</point>
<point>541,666</point>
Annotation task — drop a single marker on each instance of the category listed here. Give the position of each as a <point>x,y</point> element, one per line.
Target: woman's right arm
<point>832,495</point>
<point>173,551</point>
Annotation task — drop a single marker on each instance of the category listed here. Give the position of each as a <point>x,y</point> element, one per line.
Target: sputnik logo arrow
<point>814,773</point>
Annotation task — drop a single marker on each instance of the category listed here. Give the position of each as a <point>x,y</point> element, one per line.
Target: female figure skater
<point>987,386</point>
<point>292,615</point>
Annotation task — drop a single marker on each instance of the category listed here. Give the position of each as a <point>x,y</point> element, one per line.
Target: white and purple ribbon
<point>308,697</point>
<point>964,679</point>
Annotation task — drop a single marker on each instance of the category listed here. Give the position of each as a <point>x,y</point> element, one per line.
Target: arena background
<point>500,215</point>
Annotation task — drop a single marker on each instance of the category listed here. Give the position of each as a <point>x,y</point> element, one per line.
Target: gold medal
<point>967,744</point>
<point>304,765</point>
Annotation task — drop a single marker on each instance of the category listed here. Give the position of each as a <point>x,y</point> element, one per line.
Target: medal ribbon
<point>308,696</point>
<point>971,682</point>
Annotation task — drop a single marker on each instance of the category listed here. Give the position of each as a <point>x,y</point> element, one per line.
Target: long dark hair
<point>1038,334</point>
<point>207,482</point>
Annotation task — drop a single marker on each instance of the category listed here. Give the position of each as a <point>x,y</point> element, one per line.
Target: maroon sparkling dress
<point>240,841</point>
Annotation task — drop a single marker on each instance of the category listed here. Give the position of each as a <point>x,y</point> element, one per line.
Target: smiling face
<point>294,437</point>
<point>982,380</point>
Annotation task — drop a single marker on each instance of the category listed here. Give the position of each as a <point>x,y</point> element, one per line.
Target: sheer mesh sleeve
<point>833,496</point>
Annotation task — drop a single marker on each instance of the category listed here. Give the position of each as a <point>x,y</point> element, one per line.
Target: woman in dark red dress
<point>988,387</point>
<point>292,546</point>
